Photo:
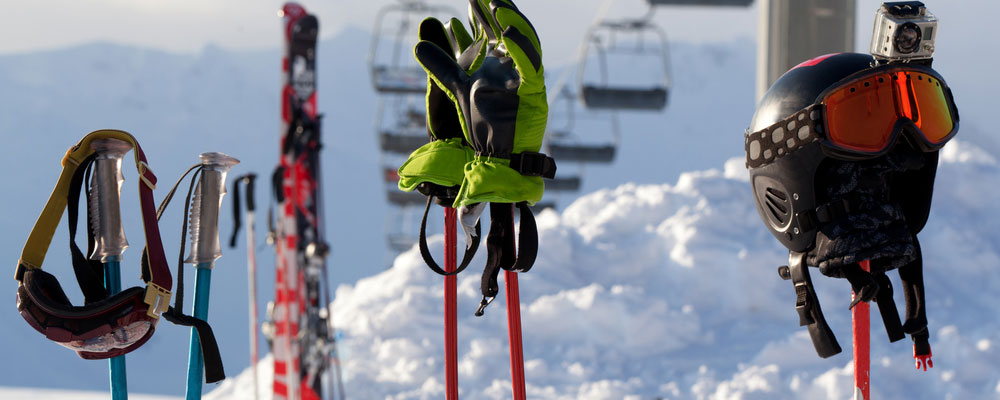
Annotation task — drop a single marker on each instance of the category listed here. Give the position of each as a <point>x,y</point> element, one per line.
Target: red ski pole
<point>450,308</point>
<point>514,331</point>
<point>862,348</point>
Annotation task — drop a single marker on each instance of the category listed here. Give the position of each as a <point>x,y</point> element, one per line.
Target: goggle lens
<point>861,115</point>
<point>930,112</point>
<point>117,339</point>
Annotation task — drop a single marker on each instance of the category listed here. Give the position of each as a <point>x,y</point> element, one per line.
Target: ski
<point>303,344</point>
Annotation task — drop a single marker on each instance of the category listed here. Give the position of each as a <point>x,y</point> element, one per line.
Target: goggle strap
<point>37,245</point>
<point>769,144</point>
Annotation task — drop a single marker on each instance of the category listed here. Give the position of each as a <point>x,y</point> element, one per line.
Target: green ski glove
<point>502,107</point>
<point>435,169</point>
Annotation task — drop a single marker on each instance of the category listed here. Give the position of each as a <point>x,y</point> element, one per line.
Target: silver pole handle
<point>104,207</point>
<point>204,225</point>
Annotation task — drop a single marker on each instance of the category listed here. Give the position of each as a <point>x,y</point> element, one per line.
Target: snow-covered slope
<point>671,291</point>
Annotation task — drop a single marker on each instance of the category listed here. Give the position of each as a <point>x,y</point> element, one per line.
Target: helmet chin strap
<point>864,223</point>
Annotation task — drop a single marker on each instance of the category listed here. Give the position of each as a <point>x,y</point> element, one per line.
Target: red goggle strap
<point>33,254</point>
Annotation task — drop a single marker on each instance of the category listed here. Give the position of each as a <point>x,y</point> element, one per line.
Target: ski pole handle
<point>205,247</point>
<point>104,207</point>
<point>249,180</point>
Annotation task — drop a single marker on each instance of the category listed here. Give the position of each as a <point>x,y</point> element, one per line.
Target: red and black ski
<point>303,343</point>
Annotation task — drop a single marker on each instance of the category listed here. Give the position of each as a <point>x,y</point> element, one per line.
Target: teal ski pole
<point>109,236</point>
<point>205,249</point>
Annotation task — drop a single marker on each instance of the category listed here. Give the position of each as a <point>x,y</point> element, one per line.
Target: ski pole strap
<point>237,223</point>
<point>807,305</point>
<point>886,306</point>
<point>214,370</point>
<point>533,164</point>
<point>912,277</point>
<point>502,253</point>
<point>159,282</point>
<point>89,273</point>
<point>470,249</point>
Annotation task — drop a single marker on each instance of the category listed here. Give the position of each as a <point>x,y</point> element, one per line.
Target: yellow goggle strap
<point>33,255</point>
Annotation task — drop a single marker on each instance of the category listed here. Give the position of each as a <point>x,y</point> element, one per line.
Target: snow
<point>670,291</point>
<point>14,393</point>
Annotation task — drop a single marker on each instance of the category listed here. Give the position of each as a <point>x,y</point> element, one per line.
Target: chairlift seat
<point>401,143</point>
<point>601,153</point>
<point>400,198</point>
<point>400,242</point>
<point>399,80</point>
<point>541,205</point>
<point>597,97</point>
<point>571,184</point>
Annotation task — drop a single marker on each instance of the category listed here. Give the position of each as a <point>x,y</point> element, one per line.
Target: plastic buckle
<point>923,361</point>
<point>143,169</point>
<point>530,164</point>
<point>802,304</point>
<point>158,299</point>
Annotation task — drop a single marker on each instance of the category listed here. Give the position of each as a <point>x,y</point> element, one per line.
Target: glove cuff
<point>490,179</point>
<point>439,162</point>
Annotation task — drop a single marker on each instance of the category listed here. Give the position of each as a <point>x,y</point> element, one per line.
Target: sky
<point>190,25</point>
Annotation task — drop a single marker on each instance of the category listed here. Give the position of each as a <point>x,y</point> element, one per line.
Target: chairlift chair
<point>400,73</point>
<point>564,184</point>
<point>398,197</point>
<point>604,93</point>
<point>404,129</point>
<point>401,227</point>
<point>564,145</point>
<point>400,242</point>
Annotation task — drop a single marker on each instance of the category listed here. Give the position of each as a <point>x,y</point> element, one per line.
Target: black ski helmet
<point>784,190</point>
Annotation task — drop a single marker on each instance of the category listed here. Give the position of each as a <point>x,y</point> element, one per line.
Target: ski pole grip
<point>211,187</point>
<point>104,205</point>
<point>250,179</point>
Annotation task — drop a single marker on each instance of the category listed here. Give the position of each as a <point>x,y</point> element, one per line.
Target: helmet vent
<point>777,204</point>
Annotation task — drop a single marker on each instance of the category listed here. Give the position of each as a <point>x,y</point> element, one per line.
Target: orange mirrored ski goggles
<point>862,116</point>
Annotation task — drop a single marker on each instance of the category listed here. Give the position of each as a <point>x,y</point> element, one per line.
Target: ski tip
<point>292,10</point>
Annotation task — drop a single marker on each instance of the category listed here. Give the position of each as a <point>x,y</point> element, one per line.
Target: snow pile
<point>671,291</point>
<point>14,393</point>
